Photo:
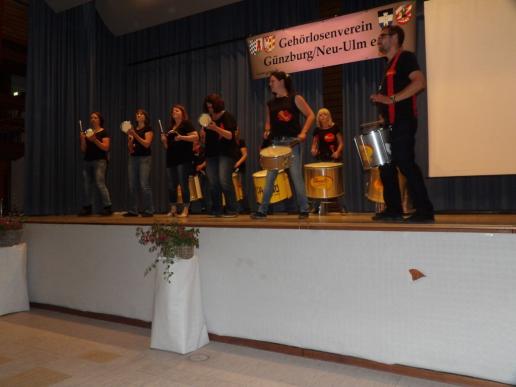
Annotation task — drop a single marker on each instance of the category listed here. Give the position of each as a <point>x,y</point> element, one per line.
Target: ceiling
<point>124,16</point>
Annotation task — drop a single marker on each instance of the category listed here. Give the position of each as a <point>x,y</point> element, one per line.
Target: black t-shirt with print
<point>93,152</point>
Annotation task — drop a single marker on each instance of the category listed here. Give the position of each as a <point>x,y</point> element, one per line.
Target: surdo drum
<point>324,180</point>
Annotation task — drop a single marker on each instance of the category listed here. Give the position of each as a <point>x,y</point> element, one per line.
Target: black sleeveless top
<point>284,117</point>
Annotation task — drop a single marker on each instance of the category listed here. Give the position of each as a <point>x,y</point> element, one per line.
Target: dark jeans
<point>403,156</point>
<point>139,177</point>
<point>178,175</point>
<point>94,175</point>
<point>218,171</point>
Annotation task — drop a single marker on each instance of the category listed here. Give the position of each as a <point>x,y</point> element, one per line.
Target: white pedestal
<point>13,279</point>
<point>178,324</point>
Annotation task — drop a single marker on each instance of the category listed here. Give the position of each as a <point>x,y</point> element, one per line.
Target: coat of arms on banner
<point>255,46</point>
<point>385,17</point>
<point>404,13</point>
<point>269,42</point>
<point>263,43</point>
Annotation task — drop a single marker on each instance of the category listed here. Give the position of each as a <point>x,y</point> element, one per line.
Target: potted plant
<point>11,230</point>
<point>170,240</point>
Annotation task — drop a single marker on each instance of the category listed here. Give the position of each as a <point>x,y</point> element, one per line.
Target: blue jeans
<point>94,174</point>
<point>296,177</point>
<point>178,175</point>
<point>139,177</point>
<point>218,171</point>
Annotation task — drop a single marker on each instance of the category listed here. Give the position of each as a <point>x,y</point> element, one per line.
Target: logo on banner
<point>404,14</point>
<point>255,46</point>
<point>264,43</point>
<point>385,17</point>
<point>269,42</point>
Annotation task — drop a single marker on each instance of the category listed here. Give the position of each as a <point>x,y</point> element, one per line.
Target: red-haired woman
<point>178,142</point>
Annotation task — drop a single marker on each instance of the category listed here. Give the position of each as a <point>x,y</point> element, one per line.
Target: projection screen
<point>471,72</point>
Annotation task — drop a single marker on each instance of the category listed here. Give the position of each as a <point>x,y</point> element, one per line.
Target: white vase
<point>178,323</point>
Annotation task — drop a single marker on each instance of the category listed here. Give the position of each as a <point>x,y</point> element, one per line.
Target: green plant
<point>169,240</point>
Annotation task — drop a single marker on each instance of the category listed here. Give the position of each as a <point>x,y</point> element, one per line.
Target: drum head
<point>324,164</point>
<point>262,173</point>
<point>204,120</point>
<point>125,126</point>
<point>276,151</point>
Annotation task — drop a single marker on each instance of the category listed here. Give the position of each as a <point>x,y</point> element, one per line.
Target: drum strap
<point>390,88</point>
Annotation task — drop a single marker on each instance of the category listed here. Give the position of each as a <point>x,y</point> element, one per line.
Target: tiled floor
<point>43,348</point>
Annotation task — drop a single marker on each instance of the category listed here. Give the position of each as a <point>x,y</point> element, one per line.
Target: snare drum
<point>324,180</point>
<point>281,190</point>
<point>373,148</point>
<point>194,184</point>
<point>276,157</point>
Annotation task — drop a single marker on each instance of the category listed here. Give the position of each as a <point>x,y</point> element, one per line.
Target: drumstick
<point>80,125</point>
<point>161,127</point>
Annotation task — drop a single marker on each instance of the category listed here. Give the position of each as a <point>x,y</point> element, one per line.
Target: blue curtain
<point>76,66</point>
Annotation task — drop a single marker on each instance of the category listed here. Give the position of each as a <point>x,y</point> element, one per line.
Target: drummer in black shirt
<point>403,80</point>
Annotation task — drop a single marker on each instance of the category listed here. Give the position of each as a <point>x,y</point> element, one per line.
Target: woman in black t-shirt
<point>178,142</point>
<point>327,145</point>
<point>95,143</point>
<point>327,141</point>
<point>139,141</point>
<point>219,139</point>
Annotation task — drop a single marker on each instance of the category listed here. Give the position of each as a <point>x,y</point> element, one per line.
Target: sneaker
<point>387,217</point>
<point>147,214</point>
<point>420,217</point>
<point>106,211</point>
<point>230,214</point>
<point>258,215</point>
<point>85,211</point>
<point>303,215</point>
<point>130,214</point>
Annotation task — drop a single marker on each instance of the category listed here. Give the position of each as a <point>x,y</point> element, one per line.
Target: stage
<point>490,223</point>
<point>336,284</point>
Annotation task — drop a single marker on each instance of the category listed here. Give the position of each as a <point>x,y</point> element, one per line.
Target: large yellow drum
<point>281,190</point>
<point>324,180</point>
<point>375,189</point>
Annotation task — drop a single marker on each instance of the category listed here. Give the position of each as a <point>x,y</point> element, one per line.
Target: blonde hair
<point>318,118</point>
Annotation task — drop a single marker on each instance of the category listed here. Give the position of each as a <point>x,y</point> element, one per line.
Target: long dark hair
<point>216,101</point>
<point>287,80</point>
<point>147,117</point>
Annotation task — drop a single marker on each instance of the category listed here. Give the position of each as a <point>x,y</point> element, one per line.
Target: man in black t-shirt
<point>396,98</point>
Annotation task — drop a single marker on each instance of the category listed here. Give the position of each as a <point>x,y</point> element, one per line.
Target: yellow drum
<point>375,189</point>
<point>237,183</point>
<point>324,180</point>
<point>194,185</point>
<point>281,190</point>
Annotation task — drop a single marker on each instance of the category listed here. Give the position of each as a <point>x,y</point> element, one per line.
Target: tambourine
<point>89,132</point>
<point>126,126</point>
<point>204,120</point>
